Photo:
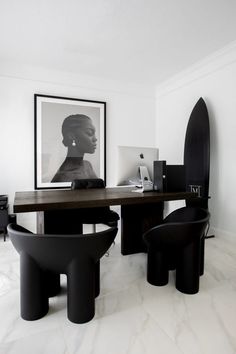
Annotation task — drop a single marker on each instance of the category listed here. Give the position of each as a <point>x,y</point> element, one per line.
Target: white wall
<point>130,120</point>
<point>215,81</point>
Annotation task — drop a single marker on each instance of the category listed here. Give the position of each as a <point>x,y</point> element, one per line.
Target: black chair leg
<point>33,292</point>
<point>188,269</point>
<point>81,291</point>
<point>206,233</point>
<point>157,268</point>
<point>4,234</point>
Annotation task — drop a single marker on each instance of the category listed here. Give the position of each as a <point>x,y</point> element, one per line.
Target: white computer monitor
<point>130,158</point>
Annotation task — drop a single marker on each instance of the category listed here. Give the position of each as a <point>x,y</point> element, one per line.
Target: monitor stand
<point>146,183</point>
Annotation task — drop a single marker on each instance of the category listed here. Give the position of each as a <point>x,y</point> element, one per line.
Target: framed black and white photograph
<point>70,140</point>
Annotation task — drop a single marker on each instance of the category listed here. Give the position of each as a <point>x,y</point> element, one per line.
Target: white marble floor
<point>132,317</point>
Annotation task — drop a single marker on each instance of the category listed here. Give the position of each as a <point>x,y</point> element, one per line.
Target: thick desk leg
<point>59,222</point>
<point>135,220</point>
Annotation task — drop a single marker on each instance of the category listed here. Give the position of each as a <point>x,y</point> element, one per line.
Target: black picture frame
<point>49,115</point>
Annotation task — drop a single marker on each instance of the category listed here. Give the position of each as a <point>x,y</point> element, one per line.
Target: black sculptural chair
<point>178,243</point>
<point>43,256</point>
<point>100,215</point>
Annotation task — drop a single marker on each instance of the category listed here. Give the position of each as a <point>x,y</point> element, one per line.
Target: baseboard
<point>222,234</point>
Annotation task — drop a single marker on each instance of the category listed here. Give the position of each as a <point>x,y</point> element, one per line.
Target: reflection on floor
<point>132,317</point>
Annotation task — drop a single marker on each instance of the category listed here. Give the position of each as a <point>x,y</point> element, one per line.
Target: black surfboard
<point>197,155</point>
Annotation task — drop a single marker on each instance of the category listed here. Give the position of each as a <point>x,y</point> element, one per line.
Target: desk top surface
<point>42,200</point>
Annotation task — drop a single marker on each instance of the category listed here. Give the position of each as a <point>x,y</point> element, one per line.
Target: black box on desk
<point>159,176</point>
<point>168,178</point>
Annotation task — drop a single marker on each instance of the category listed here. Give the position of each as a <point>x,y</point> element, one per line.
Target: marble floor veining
<point>132,316</point>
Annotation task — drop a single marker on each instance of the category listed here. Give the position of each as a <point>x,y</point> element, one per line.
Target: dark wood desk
<point>58,210</point>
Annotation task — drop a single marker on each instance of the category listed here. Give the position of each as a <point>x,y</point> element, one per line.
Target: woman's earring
<point>73,143</point>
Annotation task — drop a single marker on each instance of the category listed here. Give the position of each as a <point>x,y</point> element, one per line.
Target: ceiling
<point>140,41</point>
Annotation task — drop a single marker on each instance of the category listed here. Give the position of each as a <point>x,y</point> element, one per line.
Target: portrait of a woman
<point>79,138</point>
